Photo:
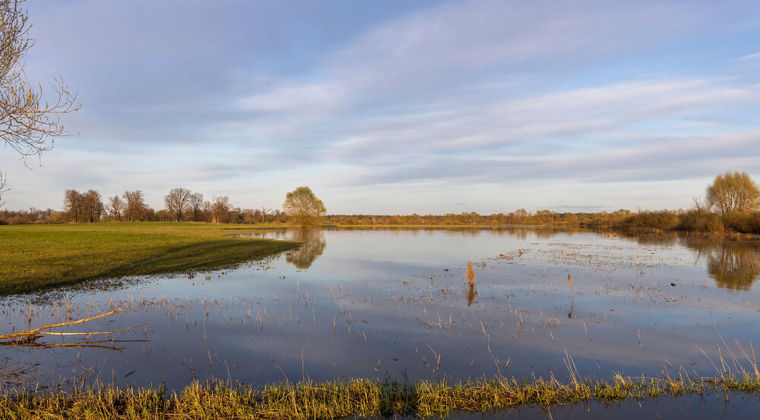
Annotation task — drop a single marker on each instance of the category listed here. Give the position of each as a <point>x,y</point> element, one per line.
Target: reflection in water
<point>470,274</point>
<point>572,296</point>
<point>663,239</point>
<point>314,244</point>
<point>471,294</point>
<point>379,302</point>
<point>734,266</point>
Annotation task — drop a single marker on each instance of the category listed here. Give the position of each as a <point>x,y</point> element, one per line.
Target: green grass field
<point>34,257</point>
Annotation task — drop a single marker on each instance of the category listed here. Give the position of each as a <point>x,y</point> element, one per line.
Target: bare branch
<point>28,122</point>
<point>3,188</point>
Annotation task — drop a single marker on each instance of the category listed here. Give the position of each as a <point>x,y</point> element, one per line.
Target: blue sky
<point>398,106</point>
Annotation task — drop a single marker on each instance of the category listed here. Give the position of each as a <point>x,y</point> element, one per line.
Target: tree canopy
<point>732,193</point>
<point>304,207</point>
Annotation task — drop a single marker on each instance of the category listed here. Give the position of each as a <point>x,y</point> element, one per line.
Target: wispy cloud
<point>397,97</point>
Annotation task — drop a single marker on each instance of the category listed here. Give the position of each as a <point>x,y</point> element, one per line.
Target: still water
<point>397,304</point>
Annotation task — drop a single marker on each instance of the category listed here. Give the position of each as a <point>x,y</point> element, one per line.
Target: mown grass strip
<point>353,398</point>
<point>35,257</point>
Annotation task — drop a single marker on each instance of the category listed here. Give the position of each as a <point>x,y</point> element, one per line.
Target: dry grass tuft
<point>470,274</point>
<point>352,398</point>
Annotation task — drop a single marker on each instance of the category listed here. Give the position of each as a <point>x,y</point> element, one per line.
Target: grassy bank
<point>354,398</point>
<point>37,257</point>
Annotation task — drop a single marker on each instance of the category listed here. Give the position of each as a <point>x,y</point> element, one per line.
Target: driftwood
<point>29,337</point>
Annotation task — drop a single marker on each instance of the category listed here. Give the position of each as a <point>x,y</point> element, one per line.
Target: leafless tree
<point>92,205</point>
<point>207,211</point>
<point>115,207</point>
<point>177,202</point>
<point>28,123</point>
<point>72,205</point>
<point>220,210</point>
<point>135,208</point>
<point>196,206</point>
<point>83,207</point>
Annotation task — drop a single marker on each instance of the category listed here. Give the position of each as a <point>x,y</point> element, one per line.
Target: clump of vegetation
<point>731,205</point>
<point>701,220</point>
<point>650,220</point>
<point>470,274</point>
<point>352,398</point>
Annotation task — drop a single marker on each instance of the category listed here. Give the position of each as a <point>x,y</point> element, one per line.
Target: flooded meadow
<point>401,305</point>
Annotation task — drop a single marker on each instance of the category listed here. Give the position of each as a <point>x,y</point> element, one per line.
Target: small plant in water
<point>470,274</point>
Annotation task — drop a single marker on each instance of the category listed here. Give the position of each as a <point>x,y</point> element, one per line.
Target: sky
<point>393,107</point>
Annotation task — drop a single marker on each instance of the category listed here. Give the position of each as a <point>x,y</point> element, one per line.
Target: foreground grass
<point>38,257</point>
<point>359,397</point>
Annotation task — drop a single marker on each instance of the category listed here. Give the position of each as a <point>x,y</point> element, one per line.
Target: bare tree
<point>263,214</point>
<point>207,211</point>
<point>135,208</point>
<point>82,207</point>
<point>28,123</point>
<point>92,206</point>
<point>196,206</point>
<point>220,210</point>
<point>72,205</point>
<point>177,202</point>
<point>115,207</point>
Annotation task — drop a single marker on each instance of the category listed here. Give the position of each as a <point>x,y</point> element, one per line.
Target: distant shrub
<point>18,220</point>
<point>3,222</point>
<point>701,221</point>
<point>661,220</point>
<point>745,222</point>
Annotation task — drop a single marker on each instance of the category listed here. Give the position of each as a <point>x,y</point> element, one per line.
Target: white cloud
<point>293,98</point>
<point>753,56</point>
<point>457,95</point>
<point>597,112</point>
<point>415,56</point>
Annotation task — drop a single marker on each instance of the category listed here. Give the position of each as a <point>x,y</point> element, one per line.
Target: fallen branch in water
<point>81,344</point>
<point>29,337</point>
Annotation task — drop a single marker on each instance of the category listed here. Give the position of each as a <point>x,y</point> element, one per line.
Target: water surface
<point>396,304</point>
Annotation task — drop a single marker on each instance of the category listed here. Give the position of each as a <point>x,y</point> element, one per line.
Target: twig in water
<point>29,337</point>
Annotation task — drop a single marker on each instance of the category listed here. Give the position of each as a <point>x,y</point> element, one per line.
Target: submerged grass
<point>38,257</point>
<point>353,398</point>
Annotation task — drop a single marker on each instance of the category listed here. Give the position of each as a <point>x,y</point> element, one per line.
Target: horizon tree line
<point>180,204</point>
<point>731,203</point>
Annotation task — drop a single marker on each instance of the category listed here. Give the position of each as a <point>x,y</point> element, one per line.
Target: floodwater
<point>397,304</point>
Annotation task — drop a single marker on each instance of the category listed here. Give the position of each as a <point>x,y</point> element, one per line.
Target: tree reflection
<point>313,245</point>
<point>734,266</point>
